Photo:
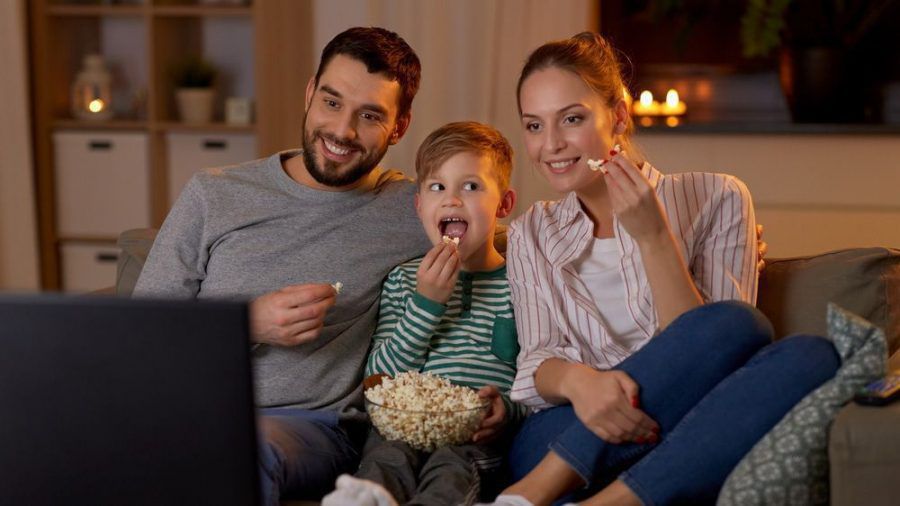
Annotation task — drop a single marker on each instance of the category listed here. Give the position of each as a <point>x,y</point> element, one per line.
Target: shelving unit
<point>141,40</point>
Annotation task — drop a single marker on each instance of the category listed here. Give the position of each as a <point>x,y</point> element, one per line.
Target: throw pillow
<point>789,465</point>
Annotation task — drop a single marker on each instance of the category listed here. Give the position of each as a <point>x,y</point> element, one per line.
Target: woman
<point>652,373</point>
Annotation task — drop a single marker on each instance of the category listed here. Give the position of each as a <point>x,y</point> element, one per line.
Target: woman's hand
<point>438,272</point>
<point>761,249</point>
<point>634,200</point>
<point>495,420</point>
<point>607,403</point>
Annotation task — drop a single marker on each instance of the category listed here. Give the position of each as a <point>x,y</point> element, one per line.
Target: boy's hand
<point>438,272</point>
<point>495,420</point>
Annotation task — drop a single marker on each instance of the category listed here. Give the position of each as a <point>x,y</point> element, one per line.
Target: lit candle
<point>673,106</point>
<point>646,106</point>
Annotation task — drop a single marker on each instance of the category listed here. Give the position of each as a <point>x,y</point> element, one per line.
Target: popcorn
<point>338,286</point>
<point>447,240</point>
<point>425,411</point>
<point>596,165</point>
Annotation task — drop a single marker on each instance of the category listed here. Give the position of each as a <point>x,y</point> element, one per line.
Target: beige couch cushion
<point>794,292</point>
<point>135,245</point>
<point>864,455</point>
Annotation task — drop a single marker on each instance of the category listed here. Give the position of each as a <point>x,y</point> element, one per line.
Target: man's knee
<point>303,457</point>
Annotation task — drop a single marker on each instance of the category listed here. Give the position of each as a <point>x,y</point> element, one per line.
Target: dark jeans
<point>715,385</point>
<point>450,475</point>
<point>301,453</point>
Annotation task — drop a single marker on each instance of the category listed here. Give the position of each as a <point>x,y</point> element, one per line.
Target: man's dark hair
<point>382,51</point>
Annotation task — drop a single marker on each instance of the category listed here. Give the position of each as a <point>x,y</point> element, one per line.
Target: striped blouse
<point>712,220</point>
<point>471,340</point>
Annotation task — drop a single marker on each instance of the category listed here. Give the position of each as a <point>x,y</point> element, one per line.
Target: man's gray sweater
<point>243,231</point>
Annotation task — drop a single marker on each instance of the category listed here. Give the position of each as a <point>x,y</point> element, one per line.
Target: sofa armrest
<point>864,455</point>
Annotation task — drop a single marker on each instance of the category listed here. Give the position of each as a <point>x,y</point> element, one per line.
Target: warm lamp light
<point>96,105</point>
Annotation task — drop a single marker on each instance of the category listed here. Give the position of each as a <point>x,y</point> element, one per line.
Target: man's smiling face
<point>351,119</point>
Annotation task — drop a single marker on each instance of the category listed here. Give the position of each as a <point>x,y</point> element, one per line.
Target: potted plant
<point>194,94</point>
<point>828,69</point>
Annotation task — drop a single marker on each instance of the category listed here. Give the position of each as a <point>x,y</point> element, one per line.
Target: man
<point>282,230</point>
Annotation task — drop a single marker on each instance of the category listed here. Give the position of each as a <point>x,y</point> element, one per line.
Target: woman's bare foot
<point>617,494</point>
<point>552,478</point>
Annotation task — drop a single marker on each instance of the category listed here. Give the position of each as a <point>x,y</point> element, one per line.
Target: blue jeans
<point>714,384</point>
<point>301,453</point>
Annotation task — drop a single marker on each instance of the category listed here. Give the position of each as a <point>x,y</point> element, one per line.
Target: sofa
<point>864,442</point>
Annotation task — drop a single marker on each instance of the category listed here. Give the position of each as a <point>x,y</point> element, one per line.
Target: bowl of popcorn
<point>425,411</point>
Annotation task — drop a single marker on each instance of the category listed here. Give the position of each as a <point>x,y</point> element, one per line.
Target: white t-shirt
<point>600,267</point>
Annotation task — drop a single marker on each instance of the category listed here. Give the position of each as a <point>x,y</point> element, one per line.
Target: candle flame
<point>96,105</point>
<point>646,98</point>
<point>672,98</point>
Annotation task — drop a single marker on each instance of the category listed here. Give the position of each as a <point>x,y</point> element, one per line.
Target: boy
<point>448,313</point>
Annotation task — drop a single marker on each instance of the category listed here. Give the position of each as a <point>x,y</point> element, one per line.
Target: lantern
<point>91,93</point>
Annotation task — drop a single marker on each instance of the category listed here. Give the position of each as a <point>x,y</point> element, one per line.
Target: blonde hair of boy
<point>465,137</point>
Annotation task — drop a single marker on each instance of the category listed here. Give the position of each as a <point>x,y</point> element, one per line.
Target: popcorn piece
<point>447,240</point>
<point>596,165</point>
<point>425,411</point>
<point>338,286</point>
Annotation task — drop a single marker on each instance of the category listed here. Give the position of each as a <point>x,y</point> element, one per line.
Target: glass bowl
<point>426,430</point>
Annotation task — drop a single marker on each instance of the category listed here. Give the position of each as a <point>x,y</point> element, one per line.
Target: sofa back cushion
<point>794,292</point>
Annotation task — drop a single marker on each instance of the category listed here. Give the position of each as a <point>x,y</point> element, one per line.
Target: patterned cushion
<point>789,465</point>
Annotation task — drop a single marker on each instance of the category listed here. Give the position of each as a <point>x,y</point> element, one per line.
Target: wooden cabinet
<point>262,50</point>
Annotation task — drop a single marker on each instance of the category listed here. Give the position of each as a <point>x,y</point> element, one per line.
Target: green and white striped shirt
<point>471,340</point>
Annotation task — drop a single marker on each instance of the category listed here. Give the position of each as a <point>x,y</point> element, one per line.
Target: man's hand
<point>291,316</point>
<point>607,403</point>
<point>493,423</point>
<point>438,273</point>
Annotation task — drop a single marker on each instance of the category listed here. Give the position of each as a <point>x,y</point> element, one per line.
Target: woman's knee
<point>816,352</point>
<point>739,324</point>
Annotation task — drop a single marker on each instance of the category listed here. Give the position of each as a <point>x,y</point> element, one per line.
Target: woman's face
<point>565,123</point>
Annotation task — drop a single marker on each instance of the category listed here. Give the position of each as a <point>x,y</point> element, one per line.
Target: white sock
<point>352,491</point>
<point>505,500</point>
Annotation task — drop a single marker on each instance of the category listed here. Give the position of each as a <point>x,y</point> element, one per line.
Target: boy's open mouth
<point>453,227</point>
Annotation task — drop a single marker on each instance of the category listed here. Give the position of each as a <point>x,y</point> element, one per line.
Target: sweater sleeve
<point>406,322</point>
<point>176,265</point>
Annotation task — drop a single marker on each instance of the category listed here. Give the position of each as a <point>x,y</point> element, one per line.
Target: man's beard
<point>329,174</point>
